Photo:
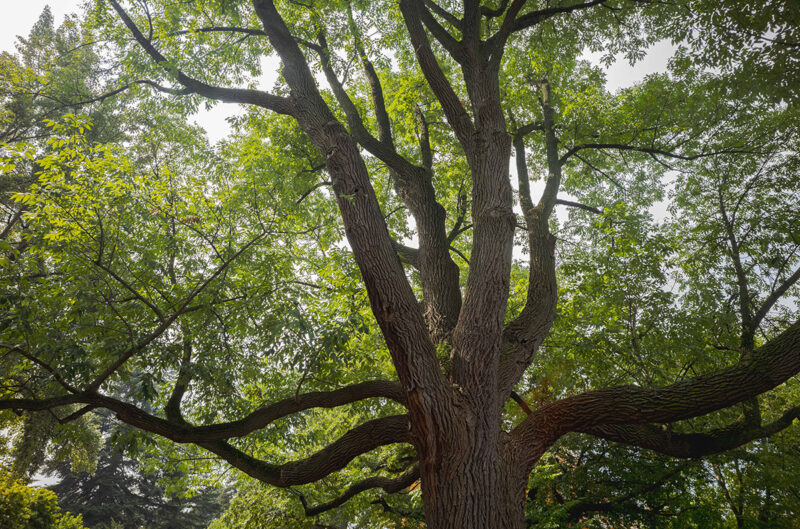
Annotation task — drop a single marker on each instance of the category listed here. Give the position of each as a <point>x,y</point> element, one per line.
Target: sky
<point>20,15</point>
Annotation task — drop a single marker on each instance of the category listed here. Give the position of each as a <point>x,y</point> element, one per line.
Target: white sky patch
<point>19,16</point>
<point>620,73</point>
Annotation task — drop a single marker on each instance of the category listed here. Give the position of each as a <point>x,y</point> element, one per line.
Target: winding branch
<point>767,367</point>
<point>259,98</point>
<point>389,485</point>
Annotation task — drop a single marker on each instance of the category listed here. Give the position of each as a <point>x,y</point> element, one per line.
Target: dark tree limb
<point>259,98</point>
<point>445,14</point>
<point>451,104</point>
<point>389,485</point>
<point>41,363</point>
<point>648,150</point>
<point>494,13</point>
<point>438,272</point>
<point>442,36</point>
<point>424,140</point>
<point>313,188</point>
<point>77,414</point>
<point>745,299</point>
<point>382,147</point>
<point>523,336</point>
<point>360,440</point>
<point>553,182</point>
<point>182,432</point>
<point>172,410</point>
<point>221,29</point>
<point>523,180</point>
<point>775,296</point>
<point>117,91</point>
<point>376,89</point>
<point>767,367</point>
<point>497,42</point>
<point>570,203</point>
<point>407,254</point>
<point>692,445</point>
<point>532,18</point>
<point>15,218</point>
<point>392,301</point>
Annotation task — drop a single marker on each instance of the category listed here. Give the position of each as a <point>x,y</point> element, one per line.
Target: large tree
<point>237,294</point>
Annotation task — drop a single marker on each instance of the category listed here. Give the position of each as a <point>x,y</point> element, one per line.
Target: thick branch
<point>535,17</point>
<point>182,432</point>
<point>382,147</point>
<point>451,104</point>
<point>259,98</point>
<point>446,15</point>
<point>359,440</point>
<point>768,366</point>
<point>391,298</point>
<point>423,137</point>
<point>11,223</point>
<point>439,273</point>
<point>523,336</point>
<point>221,29</point>
<point>691,445</point>
<point>376,90</point>
<point>570,203</point>
<point>173,407</point>
<point>553,183</point>
<point>453,47</point>
<point>496,44</point>
<point>748,329</point>
<point>493,13</point>
<point>523,180</point>
<point>408,255</point>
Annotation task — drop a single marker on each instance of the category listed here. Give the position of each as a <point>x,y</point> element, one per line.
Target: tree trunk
<point>476,483</point>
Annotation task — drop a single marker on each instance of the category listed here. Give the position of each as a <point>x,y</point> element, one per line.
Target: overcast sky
<point>20,15</point>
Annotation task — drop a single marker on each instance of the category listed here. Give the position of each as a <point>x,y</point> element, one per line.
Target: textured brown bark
<point>473,474</point>
<point>477,483</point>
<point>441,294</point>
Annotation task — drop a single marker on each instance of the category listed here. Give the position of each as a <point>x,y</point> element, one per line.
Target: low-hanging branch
<point>360,440</point>
<point>183,432</point>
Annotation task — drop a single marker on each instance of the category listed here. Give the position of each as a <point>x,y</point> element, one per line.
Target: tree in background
<point>210,299</point>
<point>119,494</point>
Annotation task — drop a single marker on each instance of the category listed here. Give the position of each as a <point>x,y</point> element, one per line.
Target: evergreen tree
<point>120,495</point>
